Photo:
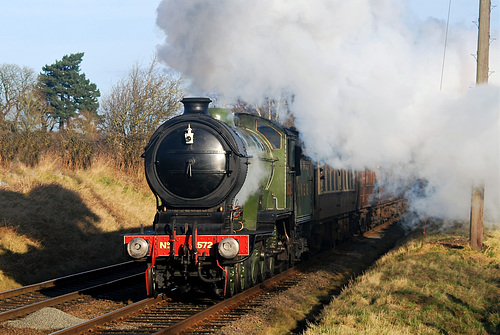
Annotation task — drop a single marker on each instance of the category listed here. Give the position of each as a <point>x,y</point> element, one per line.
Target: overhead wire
<point>445,45</point>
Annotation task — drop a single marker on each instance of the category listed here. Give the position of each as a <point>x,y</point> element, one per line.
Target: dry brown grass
<point>55,220</point>
<point>431,285</point>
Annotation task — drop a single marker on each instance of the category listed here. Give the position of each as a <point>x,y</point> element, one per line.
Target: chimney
<point>196,105</point>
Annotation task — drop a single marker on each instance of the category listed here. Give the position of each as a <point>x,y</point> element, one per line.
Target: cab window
<point>270,134</point>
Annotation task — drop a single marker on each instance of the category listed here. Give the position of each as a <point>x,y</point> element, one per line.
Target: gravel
<point>46,318</point>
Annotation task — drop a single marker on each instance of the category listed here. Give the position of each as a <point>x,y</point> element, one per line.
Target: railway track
<point>193,313</point>
<point>24,300</point>
<point>198,314</point>
<point>164,315</point>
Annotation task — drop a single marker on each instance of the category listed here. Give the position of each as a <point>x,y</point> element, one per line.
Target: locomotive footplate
<point>165,245</point>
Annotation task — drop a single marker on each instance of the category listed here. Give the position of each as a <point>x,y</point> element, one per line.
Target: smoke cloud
<point>366,76</point>
<point>256,175</point>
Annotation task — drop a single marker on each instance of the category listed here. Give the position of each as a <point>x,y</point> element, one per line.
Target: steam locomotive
<point>238,201</point>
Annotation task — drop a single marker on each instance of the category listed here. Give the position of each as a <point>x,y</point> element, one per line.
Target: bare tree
<point>22,107</point>
<point>137,105</point>
<point>272,108</point>
<point>32,112</point>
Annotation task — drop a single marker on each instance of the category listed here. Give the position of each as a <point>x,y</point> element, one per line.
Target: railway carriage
<point>238,201</point>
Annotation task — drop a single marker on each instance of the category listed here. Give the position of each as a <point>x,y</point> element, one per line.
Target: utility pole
<point>483,50</point>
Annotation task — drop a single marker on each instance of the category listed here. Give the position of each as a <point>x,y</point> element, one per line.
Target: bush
<point>25,147</point>
<point>71,150</point>
<point>78,152</point>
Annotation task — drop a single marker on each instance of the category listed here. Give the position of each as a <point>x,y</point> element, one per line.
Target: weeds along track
<point>24,300</point>
<point>196,313</point>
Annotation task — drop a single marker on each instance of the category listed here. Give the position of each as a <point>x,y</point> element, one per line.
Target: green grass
<point>431,285</point>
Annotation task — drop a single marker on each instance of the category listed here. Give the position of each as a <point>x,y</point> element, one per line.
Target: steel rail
<point>191,322</point>
<point>17,312</point>
<point>53,282</point>
<point>111,316</point>
<point>187,325</point>
<point>211,312</point>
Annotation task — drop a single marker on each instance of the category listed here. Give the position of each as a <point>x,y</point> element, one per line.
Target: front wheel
<point>261,265</point>
<point>270,266</point>
<point>229,283</point>
<point>240,280</point>
<point>151,285</point>
<point>252,269</point>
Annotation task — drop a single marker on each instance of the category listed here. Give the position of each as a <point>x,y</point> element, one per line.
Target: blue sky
<point>116,34</point>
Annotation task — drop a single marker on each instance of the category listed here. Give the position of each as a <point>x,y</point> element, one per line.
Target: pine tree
<point>66,90</point>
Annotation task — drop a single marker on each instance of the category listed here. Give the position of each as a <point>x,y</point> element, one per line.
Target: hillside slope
<point>433,284</point>
<point>55,222</point>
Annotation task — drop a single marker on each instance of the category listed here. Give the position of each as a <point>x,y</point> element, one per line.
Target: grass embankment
<point>55,221</point>
<point>433,284</point>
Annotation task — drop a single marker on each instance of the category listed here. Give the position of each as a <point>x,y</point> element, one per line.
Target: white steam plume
<point>366,76</point>
<point>256,175</point>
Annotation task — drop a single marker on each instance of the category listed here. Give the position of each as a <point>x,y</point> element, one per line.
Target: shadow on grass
<point>54,234</point>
